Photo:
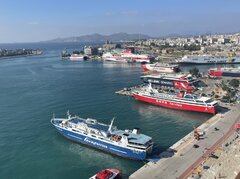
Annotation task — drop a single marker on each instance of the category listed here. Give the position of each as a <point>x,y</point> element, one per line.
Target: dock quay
<point>191,158</point>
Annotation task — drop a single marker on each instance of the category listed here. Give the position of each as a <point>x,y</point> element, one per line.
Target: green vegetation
<point>118,46</point>
<point>234,83</point>
<point>194,72</point>
<point>76,52</point>
<point>213,93</point>
<point>230,88</point>
<point>191,47</point>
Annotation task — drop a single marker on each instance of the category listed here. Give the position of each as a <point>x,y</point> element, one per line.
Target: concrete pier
<point>186,159</point>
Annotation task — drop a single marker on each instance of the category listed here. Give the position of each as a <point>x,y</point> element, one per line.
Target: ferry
<point>77,57</point>
<point>108,174</point>
<point>208,59</point>
<point>173,81</point>
<point>125,143</point>
<point>181,101</point>
<point>224,71</point>
<point>161,68</point>
<point>127,56</point>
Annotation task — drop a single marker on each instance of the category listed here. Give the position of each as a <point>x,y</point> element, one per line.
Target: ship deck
<point>98,126</point>
<point>134,138</point>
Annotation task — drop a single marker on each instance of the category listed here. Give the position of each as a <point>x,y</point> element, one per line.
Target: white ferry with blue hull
<point>129,143</point>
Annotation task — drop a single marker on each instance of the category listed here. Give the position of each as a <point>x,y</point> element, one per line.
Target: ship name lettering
<point>175,104</point>
<point>95,143</point>
<point>160,101</point>
<point>166,82</point>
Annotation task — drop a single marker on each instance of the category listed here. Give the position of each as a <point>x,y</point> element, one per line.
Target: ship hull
<point>231,74</point>
<point>175,105</point>
<point>206,63</point>
<point>76,58</point>
<point>148,67</point>
<point>128,60</point>
<point>209,60</point>
<point>223,73</point>
<point>101,145</point>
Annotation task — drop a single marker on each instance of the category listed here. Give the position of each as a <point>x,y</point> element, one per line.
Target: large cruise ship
<point>181,101</point>
<point>127,56</point>
<point>172,81</point>
<point>128,143</point>
<point>208,59</point>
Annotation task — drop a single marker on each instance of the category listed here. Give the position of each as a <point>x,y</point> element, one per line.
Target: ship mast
<point>110,126</point>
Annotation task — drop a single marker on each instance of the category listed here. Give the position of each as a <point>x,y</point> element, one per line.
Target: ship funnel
<point>68,114</point>
<point>110,126</point>
<point>136,131</point>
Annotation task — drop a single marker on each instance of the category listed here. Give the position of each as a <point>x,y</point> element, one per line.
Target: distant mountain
<point>102,38</point>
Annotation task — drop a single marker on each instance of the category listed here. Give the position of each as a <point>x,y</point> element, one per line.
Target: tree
<point>234,83</point>
<point>118,46</point>
<point>194,72</point>
<point>191,47</point>
<point>76,52</point>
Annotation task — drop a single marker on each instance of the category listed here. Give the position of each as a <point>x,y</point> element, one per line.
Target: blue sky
<point>37,20</point>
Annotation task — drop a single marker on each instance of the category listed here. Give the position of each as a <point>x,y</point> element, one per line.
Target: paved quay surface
<point>187,158</point>
<point>228,157</point>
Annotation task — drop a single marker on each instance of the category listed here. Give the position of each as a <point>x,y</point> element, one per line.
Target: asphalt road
<point>182,164</point>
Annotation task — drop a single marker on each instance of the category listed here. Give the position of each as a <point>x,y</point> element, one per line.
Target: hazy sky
<point>36,20</point>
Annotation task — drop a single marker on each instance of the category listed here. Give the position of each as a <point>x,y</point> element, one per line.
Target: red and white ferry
<point>174,81</point>
<point>127,56</point>
<point>181,101</point>
<point>77,57</point>
<point>224,71</point>
<point>161,68</point>
<point>108,174</point>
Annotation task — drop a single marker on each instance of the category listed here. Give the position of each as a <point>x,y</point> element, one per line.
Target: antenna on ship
<point>150,86</point>
<point>110,126</point>
<point>68,114</point>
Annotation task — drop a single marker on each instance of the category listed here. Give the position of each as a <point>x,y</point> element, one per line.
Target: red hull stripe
<point>215,73</point>
<point>176,105</point>
<point>145,68</point>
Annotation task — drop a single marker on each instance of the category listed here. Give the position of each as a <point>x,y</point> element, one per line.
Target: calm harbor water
<point>33,88</point>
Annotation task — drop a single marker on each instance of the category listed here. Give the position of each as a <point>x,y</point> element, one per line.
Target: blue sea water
<point>34,88</point>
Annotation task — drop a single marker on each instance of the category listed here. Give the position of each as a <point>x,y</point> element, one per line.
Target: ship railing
<point>137,146</point>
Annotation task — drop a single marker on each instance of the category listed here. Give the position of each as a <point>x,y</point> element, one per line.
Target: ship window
<point>209,101</point>
<point>93,135</point>
<point>189,97</point>
<point>136,144</point>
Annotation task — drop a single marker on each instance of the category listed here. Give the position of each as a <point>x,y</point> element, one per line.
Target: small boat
<point>108,174</point>
<point>161,68</point>
<point>224,71</point>
<point>125,143</point>
<point>182,101</point>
